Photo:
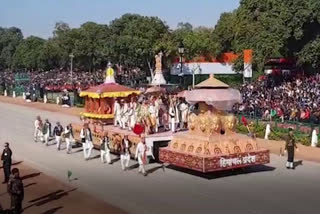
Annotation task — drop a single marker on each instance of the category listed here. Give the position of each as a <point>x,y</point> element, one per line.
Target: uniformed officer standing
<point>6,160</point>
<point>16,191</point>
<point>290,146</point>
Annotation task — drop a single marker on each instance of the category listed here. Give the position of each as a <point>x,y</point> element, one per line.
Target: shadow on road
<point>298,163</point>
<point>28,185</point>
<point>53,210</point>
<point>226,173</point>
<point>49,198</point>
<point>134,166</point>
<point>154,169</point>
<point>30,175</point>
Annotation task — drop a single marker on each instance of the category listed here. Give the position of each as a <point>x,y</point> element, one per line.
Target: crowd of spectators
<point>294,99</point>
<point>53,80</point>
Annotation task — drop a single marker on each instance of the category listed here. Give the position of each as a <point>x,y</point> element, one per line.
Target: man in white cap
<point>141,155</point>
<point>86,138</point>
<point>125,153</point>
<point>69,138</point>
<point>37,129</point>
<point>117,113</point>
<point>57,132</point>
<point>105,149</point>
<point>124,114</point>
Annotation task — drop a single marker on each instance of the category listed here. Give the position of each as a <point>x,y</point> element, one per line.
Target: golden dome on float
<point>212,82</point>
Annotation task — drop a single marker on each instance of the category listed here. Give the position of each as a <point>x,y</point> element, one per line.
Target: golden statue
<point>159,62</point>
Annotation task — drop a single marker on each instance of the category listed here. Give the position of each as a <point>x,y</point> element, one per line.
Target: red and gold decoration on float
<point>99,100</point>
<point>211,143</point>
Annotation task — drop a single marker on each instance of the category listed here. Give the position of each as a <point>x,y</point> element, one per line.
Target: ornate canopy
<point>108,90</point>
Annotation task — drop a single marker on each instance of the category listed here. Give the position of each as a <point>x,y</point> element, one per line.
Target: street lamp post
<point>71,65</point>
<point>181,52</point>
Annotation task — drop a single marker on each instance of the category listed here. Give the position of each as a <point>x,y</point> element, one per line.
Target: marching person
<point>172,113</point>
<point>46,131</point>
<point>37,129</point>
<point>57,132</point>
<point>124,114</point>
<point>69,138</point>
<point>153,116</point>
<point>290,146</point>
<point>183,107</point>
<point>105,149</point>
<point>6,162</point>
<point>125,153</point>
<point>86,138</point>
<point>141,155</point>
<point>16,191</point>
<point>117,114</point>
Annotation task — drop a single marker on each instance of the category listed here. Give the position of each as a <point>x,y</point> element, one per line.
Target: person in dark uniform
<point>6,160</point>
<point>290,147</point>
<point>16,191</point>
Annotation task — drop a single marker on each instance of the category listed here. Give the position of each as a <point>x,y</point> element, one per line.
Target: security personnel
<point>16,191</point>
<point>290,146</point>
<point>7,161</point>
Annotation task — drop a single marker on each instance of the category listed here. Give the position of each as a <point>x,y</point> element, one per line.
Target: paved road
<point>259,190</point>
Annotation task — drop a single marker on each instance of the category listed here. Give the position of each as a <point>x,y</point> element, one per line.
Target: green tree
<point>28,53</point>
<point>9,40</point>
<point>134,40</point>
<point>90,47</point>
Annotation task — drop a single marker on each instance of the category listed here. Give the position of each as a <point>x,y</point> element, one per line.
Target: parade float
<point>211,143</point>
<point>99,100</point>
<point>99,107</point>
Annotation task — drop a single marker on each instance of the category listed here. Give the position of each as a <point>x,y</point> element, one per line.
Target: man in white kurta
<point>68,132</point>
<point>183,107</point>
<point>86,138</point>
<point>117,114</point>
<point>314,139</point>
<point>105,149</point>
<point>37,129</point>
<point>141,155</point>
<point>130,115</point>
<point>125,153</point>
<point>172,114</point>
<point>133,114</point>
<point>124,115</point>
